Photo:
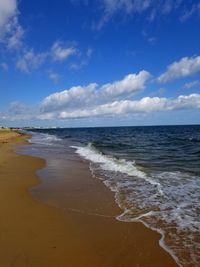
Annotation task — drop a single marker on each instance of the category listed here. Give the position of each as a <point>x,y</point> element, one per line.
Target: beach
<point>83,233</point>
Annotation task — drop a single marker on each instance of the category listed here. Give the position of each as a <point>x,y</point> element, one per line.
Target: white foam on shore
<point>158,230</point>
<point>43,138</point>
<point>112,164</point>
<point>159,200</point>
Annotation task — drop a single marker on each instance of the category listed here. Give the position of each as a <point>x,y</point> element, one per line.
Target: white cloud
<point>112,7</point>
<point>128,6</point>
<point>14,40</point>
<point>83,62</point>
<point>121,107</point>
<point>30,60</point>
<point>54,76</point>
<point>134,107</point>
<point>61,52</point>
<point>178,69</point>
<point>130,84</point>
<point>11,32</point>
<point>185,102</point>
<point>162,8</point>
<point>18,111</point>
<point>150,8</point>
<point>8,9</point>
<point>191,84</point>
<point>72,98</point>
<point>92,94</point>
<point>26,58</point>
<point>111,99</point>
<point>16,108</point>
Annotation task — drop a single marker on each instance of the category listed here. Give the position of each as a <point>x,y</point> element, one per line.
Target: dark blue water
<point>154,172</point>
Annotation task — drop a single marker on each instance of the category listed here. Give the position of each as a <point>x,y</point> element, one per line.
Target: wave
<point>166,202</point>
<point>109,163</point>
<point>44,138</point>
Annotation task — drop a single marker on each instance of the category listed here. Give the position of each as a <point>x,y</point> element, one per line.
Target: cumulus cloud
<point>191,84</point>
<point>11,32</point>
<point>19,111</point>
<point>134,107</point>
<point>61,52</point>
<point>111,99</point>
<point>84,61</point>
<point>130,84</point>
<point>54,76</point>
<point>30,60</point>
<point>182,68</point>
<point>12,38</point>
<point>71,98</point>
<point>8,10</point>
<point>94,94</point>
<point>121,107</point>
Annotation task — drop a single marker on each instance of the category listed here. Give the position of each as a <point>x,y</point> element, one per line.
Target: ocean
<point>154,172</point>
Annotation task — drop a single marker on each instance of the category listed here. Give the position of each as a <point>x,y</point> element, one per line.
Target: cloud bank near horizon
<point>107,100</point>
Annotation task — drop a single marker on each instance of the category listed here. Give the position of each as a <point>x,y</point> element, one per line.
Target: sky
<point>84,63</point>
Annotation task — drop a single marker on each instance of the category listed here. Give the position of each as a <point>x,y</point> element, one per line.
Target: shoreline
<point>42,235</point>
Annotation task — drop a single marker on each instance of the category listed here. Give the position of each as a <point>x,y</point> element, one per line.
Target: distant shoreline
<point>88,127</point>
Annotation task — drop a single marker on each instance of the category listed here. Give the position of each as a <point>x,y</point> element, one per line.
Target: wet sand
<point>36,234</point>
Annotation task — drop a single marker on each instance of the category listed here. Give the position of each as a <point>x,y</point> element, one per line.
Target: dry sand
<point>35,234</point>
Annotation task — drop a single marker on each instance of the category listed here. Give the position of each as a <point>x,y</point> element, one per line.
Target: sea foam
<point>166,202</point>
<point>43,138</point>
<point>113,164</point>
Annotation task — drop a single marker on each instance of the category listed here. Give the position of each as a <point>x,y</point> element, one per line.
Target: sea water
<point>154,172</point>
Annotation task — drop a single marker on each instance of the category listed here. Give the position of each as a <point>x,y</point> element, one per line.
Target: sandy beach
<point>33,233</point>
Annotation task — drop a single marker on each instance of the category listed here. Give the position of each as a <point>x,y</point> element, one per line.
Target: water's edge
<point>126,179</point>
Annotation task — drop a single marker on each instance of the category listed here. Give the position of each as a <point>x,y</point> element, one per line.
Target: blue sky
<point>102,62</point>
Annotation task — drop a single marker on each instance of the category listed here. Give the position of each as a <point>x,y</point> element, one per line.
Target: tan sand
<point>35,234</point>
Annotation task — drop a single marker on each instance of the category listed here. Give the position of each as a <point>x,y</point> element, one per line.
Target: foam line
<point>116,165</point>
